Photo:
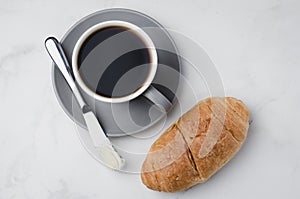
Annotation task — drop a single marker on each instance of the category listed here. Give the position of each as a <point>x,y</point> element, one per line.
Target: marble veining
<point>255,46</point>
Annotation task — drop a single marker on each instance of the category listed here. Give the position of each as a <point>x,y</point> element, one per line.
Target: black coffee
<point>114,62</point>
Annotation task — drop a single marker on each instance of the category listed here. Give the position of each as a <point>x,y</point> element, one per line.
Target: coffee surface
<point>114,62</point>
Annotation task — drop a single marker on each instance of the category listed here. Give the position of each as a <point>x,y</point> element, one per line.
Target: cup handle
<point>157,98</point>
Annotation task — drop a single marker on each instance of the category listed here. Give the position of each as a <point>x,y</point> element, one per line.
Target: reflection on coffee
<point>114,62</point>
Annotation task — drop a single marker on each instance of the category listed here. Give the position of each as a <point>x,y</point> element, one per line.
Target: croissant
<point>197,145</point>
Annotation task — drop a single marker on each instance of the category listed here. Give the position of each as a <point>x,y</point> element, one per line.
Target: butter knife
<point>105,151</point>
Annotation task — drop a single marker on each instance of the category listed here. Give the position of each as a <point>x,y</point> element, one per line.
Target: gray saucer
<point>138,114</point>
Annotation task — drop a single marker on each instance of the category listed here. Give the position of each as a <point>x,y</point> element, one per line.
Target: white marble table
<point>255,46</point>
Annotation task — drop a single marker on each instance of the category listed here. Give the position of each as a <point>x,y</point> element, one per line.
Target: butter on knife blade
<point>105,151</point>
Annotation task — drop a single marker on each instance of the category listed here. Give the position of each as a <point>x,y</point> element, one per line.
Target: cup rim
<point>152,54</point>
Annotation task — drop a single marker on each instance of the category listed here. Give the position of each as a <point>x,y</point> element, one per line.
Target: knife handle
<point>58,56</point>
